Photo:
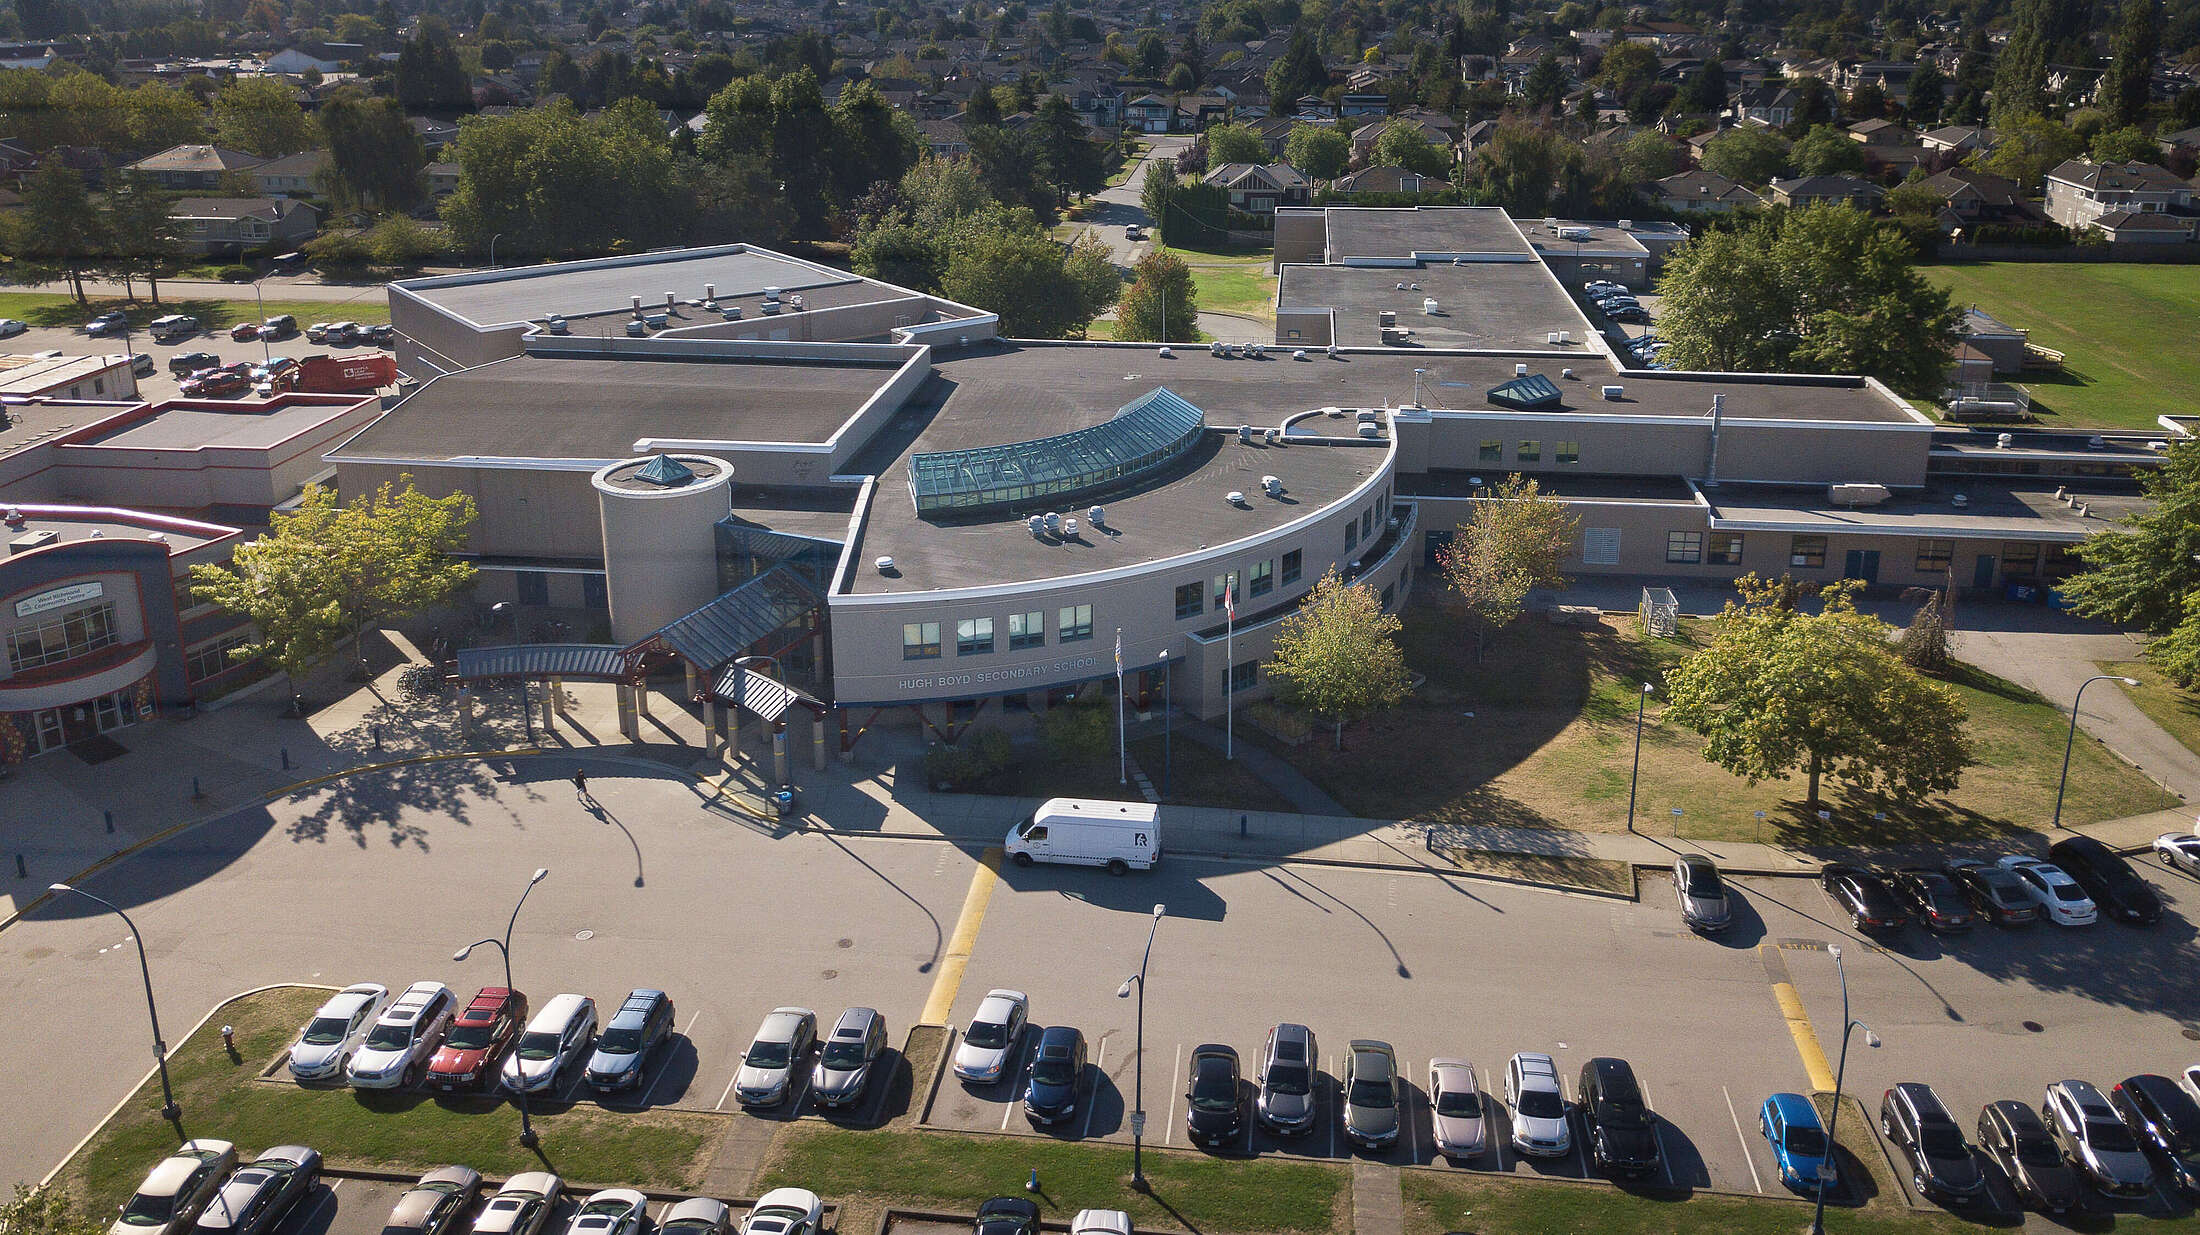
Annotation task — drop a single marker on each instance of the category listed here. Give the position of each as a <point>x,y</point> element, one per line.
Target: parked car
<point>1007,1215</point>
<point>478,1035</point>
<point>1701,893</point>
<point>1214,1110</point>
<point>274,369</point>
<point>1056,1072</point>
<point>1100,1222</point>
<point>2167,1121</point>
<point>788,1211</point>
<point>324,1045</point>
<point>1284,1098</point>
<point>2093,1137</point>
<point>1630,312</point>
<point>1371,1098</point>
<point>2114,888</point>
<point>1916,1123</point>
<point>1864,896</point>
<point>437,1204</point>
<point>244,332</point>
<point>192,362</point>
<point>697,1215</point>
<point>614,1211</point>
<point>261,1195</point>
<point>2179,851</point>
<point>521,1206</point>
<point>280,326</point>
<point>1540,1127</point>
<point>1994,893</point>
<point>643,1023</point>
<point>9,327</point>
<point>1458,1122</point>
<point>317,332</point>
<point>172,327</point>
<point>1623,1134</point>
<point>110,322</point>
<point>142,365</point>
<point>176,1189</point>
<point>1132,231</point>
<point>381,334</point>
<point>342,334</point>
<point>216,384</point>
<point>845,1057</point>
<point>768,1069</point>
<point>1933,898</point>
<point>2011,1136</point>
<point>403,1038</point>
<point>1799,1147</point>
<point>2057,896</point>
<point>995,1032</point>
<point>554,1043</point>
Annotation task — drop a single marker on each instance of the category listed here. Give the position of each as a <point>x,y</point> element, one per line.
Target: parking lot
<point>72,340</point>
<point>343,1206</point>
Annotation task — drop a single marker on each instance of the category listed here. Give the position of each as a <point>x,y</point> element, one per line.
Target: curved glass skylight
<point>1147,433</point>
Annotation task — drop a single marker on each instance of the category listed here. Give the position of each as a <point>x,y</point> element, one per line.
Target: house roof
<point>1828,186</point>
<point>1277,177</point>
<point>2142,221</point>
<point>199,159</point>
<point>1990,189</point>
<point>2117,177</point>
<point>1698,185</point>
<point>268,209</point>
<point>303,163</point>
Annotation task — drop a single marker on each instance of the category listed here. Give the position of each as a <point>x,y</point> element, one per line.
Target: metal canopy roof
<point>604,662</point>
<point>1148,432</point>
<point>727,626</point>
<point>766,697</point>
<point>1533,392</point>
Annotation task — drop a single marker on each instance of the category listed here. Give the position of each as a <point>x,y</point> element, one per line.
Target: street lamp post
<point>1641,701</point>
<point>168,1108</point>
<point>504,945</point>
<point>1138,1080</point>
<point>1840,1073</point>
<point>2072,740</point>
<point>493,249</point>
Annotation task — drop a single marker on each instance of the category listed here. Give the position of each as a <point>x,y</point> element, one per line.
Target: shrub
<point>981,753</point>
<point>1079,732</point>
<point>235,274</point>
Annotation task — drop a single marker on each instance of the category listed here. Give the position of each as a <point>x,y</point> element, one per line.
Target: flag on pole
<point>1119,651</point>
<point>1122,742</point>
<point>1229,601</point>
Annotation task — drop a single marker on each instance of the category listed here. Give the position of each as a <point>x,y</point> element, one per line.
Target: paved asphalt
<point>163,384</point>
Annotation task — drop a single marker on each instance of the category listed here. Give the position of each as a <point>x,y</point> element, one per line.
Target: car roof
<point>168,1176</point>
<point>2018,1115</point>
<point>1611,1071</point>
<point>349,1000</point>
<point>2085,1097</point>
<point>854,1022</point>
<point>998,1003</point>
<point>486,1004</point>
<point>635,1009</point>
<point>558,1013</point>
<point>781,1024</point>
<point>1059,1038</point>
<point>1923,1100</point>
<point>1450,1071</point>
<point>2084,846</point>
<point>2162,1090</point>
<point>1009,1205</point>
<point>542,1183</point>
<point>415,998</point>
<point>704,1208</point>
<point>1794,1108</point>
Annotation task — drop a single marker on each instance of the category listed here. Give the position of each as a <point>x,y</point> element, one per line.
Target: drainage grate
<point>2192,1035</point>
<point>847,943</point>
<point>2034,1027</point>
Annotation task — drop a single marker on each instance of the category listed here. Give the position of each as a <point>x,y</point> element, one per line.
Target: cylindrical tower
<point>660,559</point>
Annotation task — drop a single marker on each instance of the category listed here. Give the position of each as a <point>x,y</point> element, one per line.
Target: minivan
<point>1121,836</point>
<point>553,1044</point>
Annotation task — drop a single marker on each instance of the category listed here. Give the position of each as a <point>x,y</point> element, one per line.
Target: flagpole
<point>1122,752</point>
<point>1229,673</point>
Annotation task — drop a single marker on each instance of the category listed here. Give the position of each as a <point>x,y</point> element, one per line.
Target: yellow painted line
<point>964,941</point>
<point>1798,1021</point>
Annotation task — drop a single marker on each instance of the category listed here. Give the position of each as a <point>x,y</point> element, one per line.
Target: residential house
<point>2082,194</point>
<point>28,55</point>
<point>2144,227</point>
<point>1771,107</point>
<point>1150,113</point>
<point>434,134</point>
<point>1436,129</point>
<point>2183,141</point>
<point>1363,104</point>
<point>442,179</point>
<point>293,175</point>
<point>234,226</point>
<point>1274,133</point>
<point>1201,110</point>
<point>1257,189</point>
<point>1892,78</point>
<point>185,169</point>
<point>1699,190</point>
<point>1810,190</point>
<point>1881,132</point>
<point>1956,139</point>
<point>944,139</point>
<point>1970,197</point>
<point>1388,179</point>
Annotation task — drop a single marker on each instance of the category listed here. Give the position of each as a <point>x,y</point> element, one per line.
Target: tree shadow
<point>390,804</point>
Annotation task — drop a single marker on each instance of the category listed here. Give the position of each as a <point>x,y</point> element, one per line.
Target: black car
<point>2108,879</point>
<point>1920,1127</point>
<point>1864,897</point>
<point>1057,1066</point>
<point>1997,896</point>
<point>2012,1137</point>
<point>1702,894</point>
<point>382,334</point>
<point>192,362</point>
<point>1214,1111</point>
<point>1938,904</point>
<point>261,1194</point>
<point>2166,1120</point>
<point>1007,1215</point>
<point>1623,1134</point>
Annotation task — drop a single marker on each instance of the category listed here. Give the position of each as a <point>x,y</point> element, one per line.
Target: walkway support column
<point>557,696</point>
<point>629,724</point>
<point>817,743</point>
<point>465,712</point>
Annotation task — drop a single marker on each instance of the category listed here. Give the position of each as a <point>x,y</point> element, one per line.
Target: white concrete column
<point>628,723</point>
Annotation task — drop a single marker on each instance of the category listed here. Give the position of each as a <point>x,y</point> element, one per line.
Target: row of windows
<point>1809,552</point>
<point>1192,599</point>
<point>975,636</point>
<point>68,634</point>
<point>1715,548</point>
<point>214,658</point>
<point>1530,451</point>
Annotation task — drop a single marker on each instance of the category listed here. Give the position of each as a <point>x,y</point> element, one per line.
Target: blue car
<point>1050,1093</point>
<point>1799,1147</point>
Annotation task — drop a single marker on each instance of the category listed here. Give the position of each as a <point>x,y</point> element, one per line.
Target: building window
<point>1367,522</point>
<point>974,637</point>
<point>1600,546</point>
<point>595,592</point>
<point>1244,676</point>
<point>920,640</point>
<point>1351,536</point>
<point>214,659</point>
<point>1291,567</point>
<point>1567,452</point>
<point>1530,452</point>
<point>1491,452</point>
<point>1933,556</point>
<point>1684,547</point>
<point>1262,579</point>
<point>1222,587</point>
<point>1386,597</point>
<point>534,587</point>
<point>2020,558</point>
<point>1189,602</point>
<point>1807,551</point>
<point>1074,622</point>
<point>1027,630</point>
<point>61,637</point>
<point>1725,549</point>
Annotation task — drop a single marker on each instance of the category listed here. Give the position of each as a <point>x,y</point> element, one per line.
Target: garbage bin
<point>783,802</point>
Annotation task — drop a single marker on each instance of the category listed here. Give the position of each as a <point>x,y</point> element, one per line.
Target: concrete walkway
<point>1304,795</point>
<point>1378,1208</point>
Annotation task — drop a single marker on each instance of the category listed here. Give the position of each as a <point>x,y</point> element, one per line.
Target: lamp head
<point>1158,910</point>
<point>1871,1037</point>
<point>59,887</point>
<point>1649,689</point>
<point>463,953</point>
<point>1835,949</point>
<point>2129,681</point>
<point>1123,991</point>
<point>540,875</point>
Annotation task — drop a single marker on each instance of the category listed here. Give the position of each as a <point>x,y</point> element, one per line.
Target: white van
<point>1121,836</point>
<point>172,327</point>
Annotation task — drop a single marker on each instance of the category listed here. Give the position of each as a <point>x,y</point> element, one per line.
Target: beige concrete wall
<point>660,560</point>
<point>524,512</point>
<point>191,479</point>
<point>1302,237</point>
<point>1789,451</point>
<point>1315,327</point>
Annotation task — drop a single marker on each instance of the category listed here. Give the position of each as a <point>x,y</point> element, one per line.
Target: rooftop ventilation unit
<point>1401,287</point>
<point>1069,529</point>
<point>771,293</point>
<point>1245,433</point>
<point>1271,435</point>
<point>1038,525</point>
<point>637,301</point>
<point>2157,446</point>
<point>672,300</point>
<point>1428,306</point>
<point>1551,337</point>
<point>1235,497</point>
<point>798,302</point>
<point>1626,225</point>
<point>1371,431</point>
<point>1568,374</point>
<point>770,308</point>
<point>1367,415</point>
<point>1520,370</point>
<point>2002,441</point>
<point>1298,353</point>
<point>1054,522</point>
<point>656,321</point>
<point>558,325</point>
<point>1413,287</point>
<point>732,312</point>
<point>636,328</point>
<point>32,540</point>
<point>161,536</point>
<point>1271,486</point>
<point>2096,443</point>
<point>885,564</point>
<point>1094,515</point>
<point>1615,393</point>
<point>1960,501</point>
<point>1165,352</point>
<point>710,293</point>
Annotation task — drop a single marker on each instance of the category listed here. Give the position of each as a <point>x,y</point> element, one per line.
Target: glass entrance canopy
<point>1146,434</point>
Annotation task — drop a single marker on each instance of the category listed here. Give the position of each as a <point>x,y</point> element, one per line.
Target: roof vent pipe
<point>710,292</point>
<point>672,300</point>
<point>1718,411</point>
<point>637,305</point>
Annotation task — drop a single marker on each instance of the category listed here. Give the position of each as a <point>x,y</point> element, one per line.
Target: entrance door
<point>49,729</point>
<point>1863,564</point>
<point>77,723</point>
<point>1982,575</point>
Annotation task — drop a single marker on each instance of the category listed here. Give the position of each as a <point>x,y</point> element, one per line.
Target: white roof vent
<point>1165,352</point>
<point>798,302</point>
<point>97,534</point>
<point>1371,430</point>
<point>1234,497</point>
<point>2002,441</point>
<point>732,312</point>
<point>1245,433</point>
<point>1298,353</point>
<point>771,293</point>
<point>156,536</point>
<point>637,328</point>
<point>657,321</point>
<point>1428,306</point>
<point>1520,370</point>
<point>1568,374</point>
<point>1271,485</point>
<point>1615,393</point>
<point>710,292</point>
<point>1413,287</point>
<point>1565,336</point>
<point>1054,522</point>
<point>1069,529</point>
<point>1038,525</point>
<point>1094,515</point>
<point>1401,287</point>
<point>2154,446</point>
<point>1367,415</point>
<point>1626,224</point>
<point>1551,337</point>
<point>884,563</point>
<point>1271,434</point>
<point>557,325</point>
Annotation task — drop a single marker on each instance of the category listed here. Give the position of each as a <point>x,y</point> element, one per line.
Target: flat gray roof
<point>1361,231</point>
<point>1597,237</point>
<point>1484,305</point>
<point>821,514</point>
<point>578,288</point>
<point>2010,512</point>
<point>246,426</point>
<point>27,424</point>
<point>695,321</point>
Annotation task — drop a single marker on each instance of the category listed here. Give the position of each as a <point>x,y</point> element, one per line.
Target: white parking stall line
<point>1747,1156</point>
<point>1008,1109</point>
<point>642,1099</point>
<point>801,1090</point>
<point>729,1089</point>
<point>1657,1129</point>
<point>1168,1129</point>
<point>1495,1139</point>
<point>1092,1100</point>
<point>307,1220</point>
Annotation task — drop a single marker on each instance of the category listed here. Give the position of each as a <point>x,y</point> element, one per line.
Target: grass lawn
<point>1247,291</point>
<point>2166,703</point>
<point>1195,258</point>
<point>957,1172</point>
<point>221,1097</point>
<point>1437,1203</point>
<point>2125,332</point>
<point>1198,775</point>
<point>1550,743</point>
<point>46,309</point>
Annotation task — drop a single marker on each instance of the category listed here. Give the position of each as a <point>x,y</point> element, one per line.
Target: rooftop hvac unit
<point>1551,337</point>
<point>771,293</point>
<point>1271,486</point>
<point>1038,525</point>
<point>1371,431</point>
<point>1520,370</point>
<point>656,321</point>
<point>2002,441</point>
<point>558,325</point>
<point>1093,516</point>
<point>156,536</point>
<point>1385,318</point>
<point>1565,337</point>
<point>1165,352</point>
<point>1568,374</point>
<point>1298,354</point>
<point>1428,306</point>
<point>1054,522</point>
<point>1550,222</point>
<point>770,308</point>
<point>1069,529</point>
<point>1245,433</point>
<point>1234,497</point>
<point>2157,446</point>
<point>1615,393</point>
<point>732,312</point>
<point>1271,435</point>
<point>636,328</point>
<point>884,564</point>
<point>1856,494</point>
<point>1367,416</point>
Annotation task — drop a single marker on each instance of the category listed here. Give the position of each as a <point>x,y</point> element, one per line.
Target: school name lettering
<point>1015,673</point>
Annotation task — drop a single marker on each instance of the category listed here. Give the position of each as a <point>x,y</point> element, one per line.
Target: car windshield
<point>769,1055</point>
<point>326,1031</point>
<point>2069,892</point>
<point>604,1205</point>
<point>1808,1142</point>
<point>1215,1090</point>
<point>144,1210</point>
<point>1540,1104</point>
<point>842,1054</point>
<point>987,1035</point>
<point>1460,1103</point>
<point>470,1037</point>
<point>538,1044</point>
<point>2109,1137</point>
<point>624,1040</point>
<point>390,1038</point>
<point>1941,1141</point>
<point>1288,1080</point>
<point>1621,1115</point>
<point>1054,1069</point>
<point>1370,1093</point>
<point>1704,881</point>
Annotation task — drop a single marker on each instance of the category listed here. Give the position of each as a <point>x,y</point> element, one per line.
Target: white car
<point>768,1069</point>
<point>785,1211</point>
<point>1540,1126</point>
<point>554,1043</point>
<point>996,1031</point>
<point>2179,850</point>
<point>324,1045</point>
<point>9,328</point>
<point>176,1189</point>
<point>614,1211</point>
<point>1460,1126</point>
<point>397,1049</point>
<point>1100,1222</point>
<point>2058,896</point>
<point>2190,1079</point>
<point>521,1206</point>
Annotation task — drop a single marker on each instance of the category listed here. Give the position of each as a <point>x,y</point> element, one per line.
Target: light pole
<point>267,354</point>
<point>168,1108</point>
<point>1840,1073</point>
<point>504,945</point>
<point>1641,701</point>
<point>493,249</point>
<point>1138,1080</point>
<point>2072,740</point>
<point>1168,719</point>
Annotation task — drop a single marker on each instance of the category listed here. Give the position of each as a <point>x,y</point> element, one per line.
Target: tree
<point>397,241</point>
<point>1647,156</point>
<point>56,231</point>
<point>1234,143</point>
<point>429,74</point>
<point>1514,540</point>
<point>2027,149</point>
<point>1161,305</point>
<point>1928,89</point>
<point>1747,155</point>
<point>555,183</point>
<point>1401,145</point>
<point>2124,145</point>
<point>1071,159</point>
<point>1826,151</point>
<point>261,115</point>
<point>1627,68</point>
<point>736,200</point>
<point>1544,89</point>
<point>1296,73</point>
<point>375,158</point>
<point>1023,278</point>
<point>1704,93</point>
<point>873,140</point>
<point>2141,573</point>
<point>1090,264</point>
<point>160,116</point>
<point>1780,690</point>
<point>1319,152</point>
<point>2039,34</point>
<point>325,571</point>
<point>142,241</point>
<point>2125,90</point>
<point>1337,654</point>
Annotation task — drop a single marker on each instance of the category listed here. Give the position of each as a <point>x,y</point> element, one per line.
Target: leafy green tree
<point>1747,155</point>
<point>1161,305</point>
<point>1071,160</point>
<point>1520,166</point>
<point>398,242</point>
<point>1337,655</point>
<point>261,115</point>
<point>736,200</point>
<point>142,241</point>
<point>1401,145</point>
<point>2027,149</point>
<point>429,74</point>
<point>2124,145</point>
<point>1090,264</point>
<point>375,158</point>
<point>57,232</point>
<point>1514,540</point>
<point>1544,88</point>
<point>556,184</point>
<point>2039,35</point>
<point>2125,89</point>
<point>1827,151</point>
<point>90,109</point>
<point>873,140</point>
<point>44,1211</point>
<point>1781,691</point>
<point>1628,68</point>
<point>1319,152</point>
<point>1649,155</point>
<point>1928,90</point>
<point>160,116</point>
<point>2141,573</point>
<point>1705,90</point>
<point>1023,277</point>
<point>901,251</point>
<point>1296,73</point>
<point>1234,143</point>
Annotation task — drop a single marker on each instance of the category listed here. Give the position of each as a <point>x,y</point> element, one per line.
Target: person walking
<point>580,784</point>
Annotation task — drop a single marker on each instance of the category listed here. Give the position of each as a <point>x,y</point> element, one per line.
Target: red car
<point>217,384</point>
<point>245,332</point>
<point>468,1057</point>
